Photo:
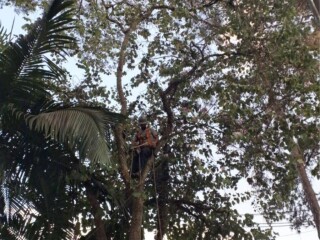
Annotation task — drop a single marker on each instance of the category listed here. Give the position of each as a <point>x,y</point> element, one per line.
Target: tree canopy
<point>232,87</point>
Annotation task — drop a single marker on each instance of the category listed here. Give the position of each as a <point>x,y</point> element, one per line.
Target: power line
<point>295,234</point>
<point>275,223</point>
<point>277,226</point>
<point>285,212</point>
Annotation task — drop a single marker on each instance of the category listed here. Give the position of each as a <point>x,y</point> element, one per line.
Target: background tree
<point>271,125</point>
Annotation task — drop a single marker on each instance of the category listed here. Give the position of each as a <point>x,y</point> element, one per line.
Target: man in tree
<point>144,143</point>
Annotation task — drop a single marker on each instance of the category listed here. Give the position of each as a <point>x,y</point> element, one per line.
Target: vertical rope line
<point>131,161</point>
<point>156,194</point>
<point>140,170</point>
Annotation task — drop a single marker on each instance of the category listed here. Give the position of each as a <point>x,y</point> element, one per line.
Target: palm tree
<point>42,143</point>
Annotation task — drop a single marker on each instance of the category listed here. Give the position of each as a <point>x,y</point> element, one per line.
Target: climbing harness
<point>148,139</point>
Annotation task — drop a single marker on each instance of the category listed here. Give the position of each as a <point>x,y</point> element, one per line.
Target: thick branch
<point>121,62</point>
<point>315,8</point>
<point>122,53</point>
<point>122,155</point>
<point>154,7</point>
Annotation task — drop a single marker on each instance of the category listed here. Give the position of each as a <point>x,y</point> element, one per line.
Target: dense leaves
<point>232,87</point>
<point>271,106</point>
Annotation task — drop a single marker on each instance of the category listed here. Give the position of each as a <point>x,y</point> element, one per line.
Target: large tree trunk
<point>307,187</point>
<point>136,230</point>
<point>137,200</point>
<point>137,216</point>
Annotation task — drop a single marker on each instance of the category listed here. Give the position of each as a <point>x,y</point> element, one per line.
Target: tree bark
<point>310,195</point>
<point>135,232</point>
<point>307,187</point>
<point>137,216</point>
<point>122,155</point>
<point>315,8</point>
<point>100,233</point>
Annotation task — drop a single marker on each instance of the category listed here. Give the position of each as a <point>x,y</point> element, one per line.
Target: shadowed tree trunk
<point>307,187</point>
<point>137,195</point>
<point>162,207</point>
<point>100,233</point>
<point>137,216</point>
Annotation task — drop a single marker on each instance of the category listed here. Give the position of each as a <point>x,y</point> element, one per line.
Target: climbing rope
<point>156,195</point>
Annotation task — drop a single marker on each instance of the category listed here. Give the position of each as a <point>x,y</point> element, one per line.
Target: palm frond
<point>24,68</point>
<point>31,221</point>
<point>34,134</point>
<point>52,28</point>
<point>82,128</point>
<point>39,170</point>
<point>4,38</point>
<point>37,186</point>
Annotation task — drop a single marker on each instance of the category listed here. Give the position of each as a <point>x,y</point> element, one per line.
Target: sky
<point>8,17</point>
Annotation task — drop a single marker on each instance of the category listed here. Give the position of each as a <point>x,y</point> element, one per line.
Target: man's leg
<point>136,163</point>
<point>145,155</point>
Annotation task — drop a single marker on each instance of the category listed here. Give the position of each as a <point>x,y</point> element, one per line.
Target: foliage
<point>41,141</point>
<point>229,86</point>
<point>270,105</point>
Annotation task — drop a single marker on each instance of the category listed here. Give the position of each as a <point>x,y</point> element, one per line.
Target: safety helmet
<point>142,119</point>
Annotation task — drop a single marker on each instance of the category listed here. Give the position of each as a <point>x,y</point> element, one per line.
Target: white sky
<point>7,16</point>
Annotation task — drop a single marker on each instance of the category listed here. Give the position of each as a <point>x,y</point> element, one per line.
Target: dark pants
<point>140,159</point>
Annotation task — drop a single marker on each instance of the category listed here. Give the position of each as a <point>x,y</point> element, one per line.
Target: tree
<point>271,113</point>
<point>180,61</point>
<point>186,57</point>
<point>187,60</point>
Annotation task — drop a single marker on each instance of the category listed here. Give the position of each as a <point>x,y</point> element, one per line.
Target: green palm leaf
<point>36,171</point>
<point>38,140</point>
<point>24,66</point>
<point>82,128</point>
<point>4,38</point>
